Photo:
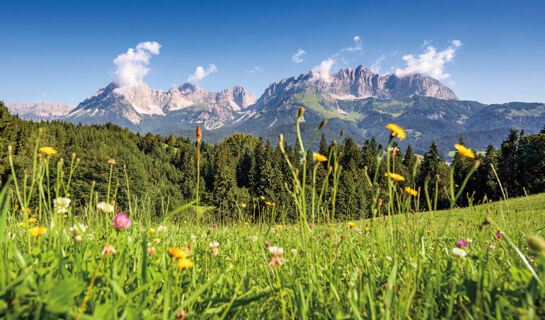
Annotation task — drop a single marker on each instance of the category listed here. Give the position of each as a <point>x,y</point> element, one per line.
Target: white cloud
<point>132,65</point>
<point>375,67</point>
<point>321,72</point>
<point>431,62</point>
<point>298,57</point>
<point>356,47</point>
<point>201,73</point>
<point>255,69</point>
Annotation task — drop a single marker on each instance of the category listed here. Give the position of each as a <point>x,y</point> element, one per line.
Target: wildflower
<point>156,240</point>
<point>492,246</point>
<point>411,191</point>
<point>78,238</point>
<point>179,253</point>
<point>253,238</point>
<point>310,225</point>
<point>428,231</point>
<point>16,207</point>
<point>161,228</point>
<point>273,230</point>
<point>214,226</point>
<point>111,162</point>
<point>388,258</point>
<point>279,227</point>
<point>121,221</point>
<point>48,151</point>
<point>151,230</point>
<point>414,265</point>
<point>498,235</point>
<point>150,250</point>
<point>37,231</point>
<point>262,197</point>
<point>276,260</point>
<point>61,205</point>
<point>358,231</point>
<point>396,131</point>
<point>459,253</point>
<point>193,237</point>
<point>319,157</point>
<point>394,176</point>
<point>78,229</point>
<point>367,229</point>
<point>268,203</point>
<point>105,207</point>
<point>198,132</point>
<point>68,194</point>
<point>469,240</point>
<point>243,205</point>
<point>379,202</point>
<point>351,224</point>
<point>463,151</point>
<point>294,252</point>
<point>28,210</point>
<point>461,243</point>
<point>460,224</point>
<point>185,263</point>
<point>214,246</point>
<point>267,244</point>
<point>32,220</point>
<point>108,250</point>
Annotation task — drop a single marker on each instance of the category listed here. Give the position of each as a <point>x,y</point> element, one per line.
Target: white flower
<point>214,244</point>
<point>294,252</point>
<point>253,238</point>
<point>388,258</point>
<point>276,251</point>
<point>161,228</point>
<point>457,252</point>
<point>105,207</point>
<point>193,237</point>
<point>61,205</point>
<point>78,229</point>
<point>469,240</point>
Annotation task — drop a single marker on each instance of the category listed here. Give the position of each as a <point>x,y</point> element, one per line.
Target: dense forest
<point>245,169</point>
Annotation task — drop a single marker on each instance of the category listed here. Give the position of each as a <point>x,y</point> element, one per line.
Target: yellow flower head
<point>151,230</point>
<point>463,151</point>
<point>179,253</point>
<point>319,157</point>
<point>268,203</point>
<point>185,263</point>
<point>279,227</point>
<point>262,197</point>
<point>48,151</point>
<point>367,229</point>
<point>411,191</point>
<point>243,205</point>
<point>37,231</point>
<point>394,176</point>
<point>22,224</point>
<point>351,224</point>
<point>428,231</point>
<point>396,131</point>
<point>156,240</point>
<point>32,220</point>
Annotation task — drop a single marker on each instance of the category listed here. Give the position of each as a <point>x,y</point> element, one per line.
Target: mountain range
<point>358,101</point>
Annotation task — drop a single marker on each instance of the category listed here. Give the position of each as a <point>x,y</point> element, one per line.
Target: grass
<point>399,266</point>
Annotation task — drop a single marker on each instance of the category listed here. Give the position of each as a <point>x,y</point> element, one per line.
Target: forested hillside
<point>244,169</point>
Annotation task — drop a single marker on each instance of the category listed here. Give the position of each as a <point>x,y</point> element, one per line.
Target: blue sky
<point>64,51</point>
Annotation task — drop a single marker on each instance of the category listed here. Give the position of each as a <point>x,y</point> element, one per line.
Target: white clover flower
<point>294,252</point>
<point>277,251</point>
<point>105,207</point>
<point>61,205</point>
<point>459,253</point>
<point>214,244</point>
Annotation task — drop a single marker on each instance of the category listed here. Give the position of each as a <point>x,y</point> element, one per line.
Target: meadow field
<point>59,260</point>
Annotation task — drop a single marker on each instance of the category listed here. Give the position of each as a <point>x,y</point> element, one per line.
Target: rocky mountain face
<point>40,110</point>
<point>143,108</point>
<point>359,83</point>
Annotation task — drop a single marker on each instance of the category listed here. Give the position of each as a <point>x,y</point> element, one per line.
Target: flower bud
<point>322,124</point>
<point>300,113</point>
<point>198,133</point>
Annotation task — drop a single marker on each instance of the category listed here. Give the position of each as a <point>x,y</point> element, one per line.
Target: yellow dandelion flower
<point>319,157</point>
<point>185,263</point>
<point>463,151</point>
<point>394,176</point>
<point>428,231</point>
<point>351,224</point>
<point>243,205</point>
<point>22,224</point>
<point>28,210</point>
<point>179,253</point>
<point>151,230</point>
<point>411,191</point>
<point>16,207</point>
<point>32,220</point>
<point>367,229</point>
<point>268,203</point>
<point>279,227</point>
<point>37,231</point>
<point>48,151</point>
<point>396,131</point>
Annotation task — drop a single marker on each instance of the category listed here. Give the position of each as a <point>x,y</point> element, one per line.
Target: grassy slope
<point>348,272</point>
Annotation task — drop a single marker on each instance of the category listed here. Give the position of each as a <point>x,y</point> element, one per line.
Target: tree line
<point>244,170</point>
